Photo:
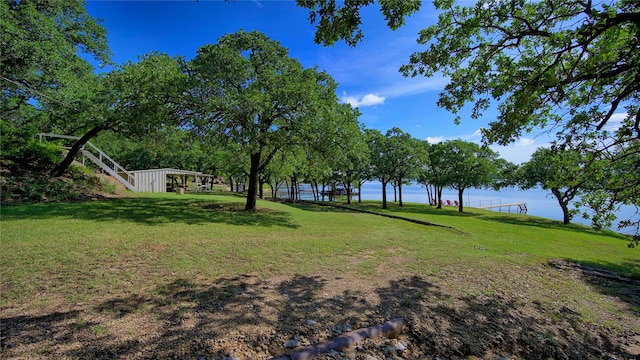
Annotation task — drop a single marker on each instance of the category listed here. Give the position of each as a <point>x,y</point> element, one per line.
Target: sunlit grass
<point>79,250</point>
<point>528,238</point>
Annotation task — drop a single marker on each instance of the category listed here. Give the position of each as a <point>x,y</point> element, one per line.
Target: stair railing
<point>101,159</point>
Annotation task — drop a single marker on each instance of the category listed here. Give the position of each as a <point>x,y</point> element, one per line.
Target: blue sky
<point>367,74</point>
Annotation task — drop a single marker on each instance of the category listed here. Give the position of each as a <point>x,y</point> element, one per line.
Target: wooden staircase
<point>99,158</point>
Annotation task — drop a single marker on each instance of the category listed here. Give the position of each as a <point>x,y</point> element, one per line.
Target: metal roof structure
<point>155,180</point>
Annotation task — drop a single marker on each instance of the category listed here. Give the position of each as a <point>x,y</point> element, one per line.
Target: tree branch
<point>629,89</point>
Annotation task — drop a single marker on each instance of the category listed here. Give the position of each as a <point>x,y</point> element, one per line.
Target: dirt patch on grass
<point>455,313</point>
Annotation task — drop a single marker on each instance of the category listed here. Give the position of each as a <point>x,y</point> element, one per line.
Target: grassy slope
<point>80,250</point>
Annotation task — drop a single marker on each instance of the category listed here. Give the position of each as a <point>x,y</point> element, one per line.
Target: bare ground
<point>453,313</point>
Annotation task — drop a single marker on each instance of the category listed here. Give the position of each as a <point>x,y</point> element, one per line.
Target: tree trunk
<point>400,193</point>
<point>263,180</point>
<point>430,194</point>
<point>316,191</point>
<point>295,191</point>
<point>254,179</point>
<point>75,149</point>
<point>564,205</point>
<point>439,197</point>
<point>566,216</point>
<point>348,193</point>
<point>460,207</point>
<point>286,184</point>
<point>384,194</point>
<point>294,188</point>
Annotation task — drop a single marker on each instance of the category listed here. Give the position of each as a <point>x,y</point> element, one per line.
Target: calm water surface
<point>539,202</point>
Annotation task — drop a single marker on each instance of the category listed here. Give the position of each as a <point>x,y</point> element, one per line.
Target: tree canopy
<point>394,156</point>
<point>461,165</point>
<point>340,20</point>
<point>43,73</point>
<point>41,42</point>
<point>131,100</point>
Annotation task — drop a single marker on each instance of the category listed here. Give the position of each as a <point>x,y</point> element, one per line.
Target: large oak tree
<point>131,100</point>
<point>559,171</point>
<point>41,43</point>
<point>249,91</point>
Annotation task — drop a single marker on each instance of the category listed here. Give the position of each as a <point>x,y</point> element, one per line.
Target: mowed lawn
<point>81,250</point>
<point>60,256</point>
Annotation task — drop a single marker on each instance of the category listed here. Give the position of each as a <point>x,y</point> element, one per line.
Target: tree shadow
<point>489,216</point>
<point>151,211</point>
<point>314,206</point>
<point>544,223</point>
<point>251,318</point>
<point>620,280</point>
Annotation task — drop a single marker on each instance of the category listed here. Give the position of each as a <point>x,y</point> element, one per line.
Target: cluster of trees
<point>394,158</point>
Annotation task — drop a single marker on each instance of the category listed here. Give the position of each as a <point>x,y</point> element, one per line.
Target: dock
<point>521,207</point>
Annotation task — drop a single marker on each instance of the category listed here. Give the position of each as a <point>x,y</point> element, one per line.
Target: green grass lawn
<point>78,250</point>
<point>538,239</point>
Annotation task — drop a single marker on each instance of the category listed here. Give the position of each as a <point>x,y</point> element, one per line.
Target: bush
<point>21,151</point>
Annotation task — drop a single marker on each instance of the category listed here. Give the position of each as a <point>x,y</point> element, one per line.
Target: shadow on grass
<point>621,280</point>
<point>315,206</point>
<point>153,211</point>
<point>429,211</point>
<point>430,215</point>
<point>246,317</point>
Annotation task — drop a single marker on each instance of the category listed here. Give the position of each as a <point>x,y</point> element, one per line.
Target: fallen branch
<point>390,329</point>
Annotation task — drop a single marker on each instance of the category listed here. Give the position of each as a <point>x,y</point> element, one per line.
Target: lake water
<point>539,202</point>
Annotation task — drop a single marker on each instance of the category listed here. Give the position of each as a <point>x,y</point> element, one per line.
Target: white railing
<point>483,203</point>
<point>101,159</point>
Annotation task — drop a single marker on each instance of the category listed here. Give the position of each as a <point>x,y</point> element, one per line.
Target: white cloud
<point>525,142</point>
<point>615,122</point>
<point>367,100</point>
<point>434,139</point>
<point>476,134</point>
